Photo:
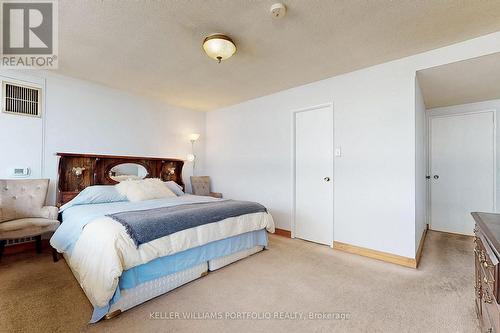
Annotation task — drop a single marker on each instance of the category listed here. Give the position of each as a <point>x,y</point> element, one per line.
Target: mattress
<point>180,261</point>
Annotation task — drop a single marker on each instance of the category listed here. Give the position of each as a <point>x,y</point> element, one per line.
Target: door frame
<point>293,151</point>
<point>429,155</point>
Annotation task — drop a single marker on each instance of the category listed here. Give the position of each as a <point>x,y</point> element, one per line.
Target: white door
<point>462,170</point>
<point>314,175</point>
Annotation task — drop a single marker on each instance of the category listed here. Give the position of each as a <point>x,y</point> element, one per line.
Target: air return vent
<point>21,100</point>
<point>20,240</point>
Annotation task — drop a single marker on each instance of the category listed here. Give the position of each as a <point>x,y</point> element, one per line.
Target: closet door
<point>314,175</point>
<point>462,170</point>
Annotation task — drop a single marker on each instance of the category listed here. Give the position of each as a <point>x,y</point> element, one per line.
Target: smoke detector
<point>278,10</point>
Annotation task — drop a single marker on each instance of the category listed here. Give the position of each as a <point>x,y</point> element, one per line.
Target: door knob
<point>436,176</point>
<point>326,179</point>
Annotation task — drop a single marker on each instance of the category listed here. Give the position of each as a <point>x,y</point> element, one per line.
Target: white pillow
<point>145,189</point>
<point>94,195</point>
<point>174,187</point>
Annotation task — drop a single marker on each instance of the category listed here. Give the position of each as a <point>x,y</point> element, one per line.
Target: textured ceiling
<point>154,47</point>
<point>462,82</point>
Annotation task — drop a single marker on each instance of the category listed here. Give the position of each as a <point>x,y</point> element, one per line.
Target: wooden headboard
<point>97,171</point>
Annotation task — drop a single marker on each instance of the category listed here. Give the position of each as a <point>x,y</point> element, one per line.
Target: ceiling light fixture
<point>219,47</point>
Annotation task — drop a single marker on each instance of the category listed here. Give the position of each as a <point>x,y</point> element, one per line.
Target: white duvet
<point>103,249</point>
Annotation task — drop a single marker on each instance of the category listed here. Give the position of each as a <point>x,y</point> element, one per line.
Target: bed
<point>118,264</point>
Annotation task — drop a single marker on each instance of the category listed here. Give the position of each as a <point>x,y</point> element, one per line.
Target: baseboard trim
<point>283,232</point>
<point>25,247</point>
<point>374,254</point>
<point>452,233</point>
<point>418,255</point>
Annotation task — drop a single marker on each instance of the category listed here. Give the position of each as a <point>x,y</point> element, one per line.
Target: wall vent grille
<point>21,100</point>
<point>20,241</point>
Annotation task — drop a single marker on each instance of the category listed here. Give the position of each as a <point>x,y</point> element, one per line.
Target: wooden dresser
<point>487,255</point>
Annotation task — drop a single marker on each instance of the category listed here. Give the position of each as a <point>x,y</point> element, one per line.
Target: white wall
<point>84,117</point>
<point>470,107</point>
<point>420,165</point>
<point>21,143</point>
<point>249,147</point>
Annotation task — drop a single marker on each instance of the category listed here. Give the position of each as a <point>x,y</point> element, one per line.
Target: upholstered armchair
<point>23,212</point>
<point>200,185</point>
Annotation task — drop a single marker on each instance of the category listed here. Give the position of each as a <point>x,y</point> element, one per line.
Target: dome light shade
<point>219,47</point>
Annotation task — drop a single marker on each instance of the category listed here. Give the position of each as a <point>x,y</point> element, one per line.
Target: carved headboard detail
<point>77,171</point>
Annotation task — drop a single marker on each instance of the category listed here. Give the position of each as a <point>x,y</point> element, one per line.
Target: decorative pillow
<point>95,195</point>
<point>174,187</point>
<point>146,189</point>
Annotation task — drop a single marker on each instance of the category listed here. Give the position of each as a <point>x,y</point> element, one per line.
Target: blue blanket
<point>146,225</point>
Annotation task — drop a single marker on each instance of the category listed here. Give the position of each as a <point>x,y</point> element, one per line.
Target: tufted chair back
<point>22,198</point>
<point>200,185</point>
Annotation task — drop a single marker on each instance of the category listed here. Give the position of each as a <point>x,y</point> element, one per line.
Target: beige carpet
<point>292,276</point>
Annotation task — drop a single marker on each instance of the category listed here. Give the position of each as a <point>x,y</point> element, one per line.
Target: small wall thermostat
<point>21,172</point>
<point>278,10</point>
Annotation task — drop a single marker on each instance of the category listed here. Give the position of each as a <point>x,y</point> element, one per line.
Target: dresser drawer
<point>488,262</point>
<point>486,325</point>
<point>490,308</point>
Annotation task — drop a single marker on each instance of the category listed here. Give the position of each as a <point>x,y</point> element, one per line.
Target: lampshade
<point>219,47</point>
<point>194,136</point>
<point>191,157</point>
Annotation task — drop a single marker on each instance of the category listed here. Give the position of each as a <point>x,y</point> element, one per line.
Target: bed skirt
<point>154,288</point>
<point>151,289</point>
<point>144,282</point>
